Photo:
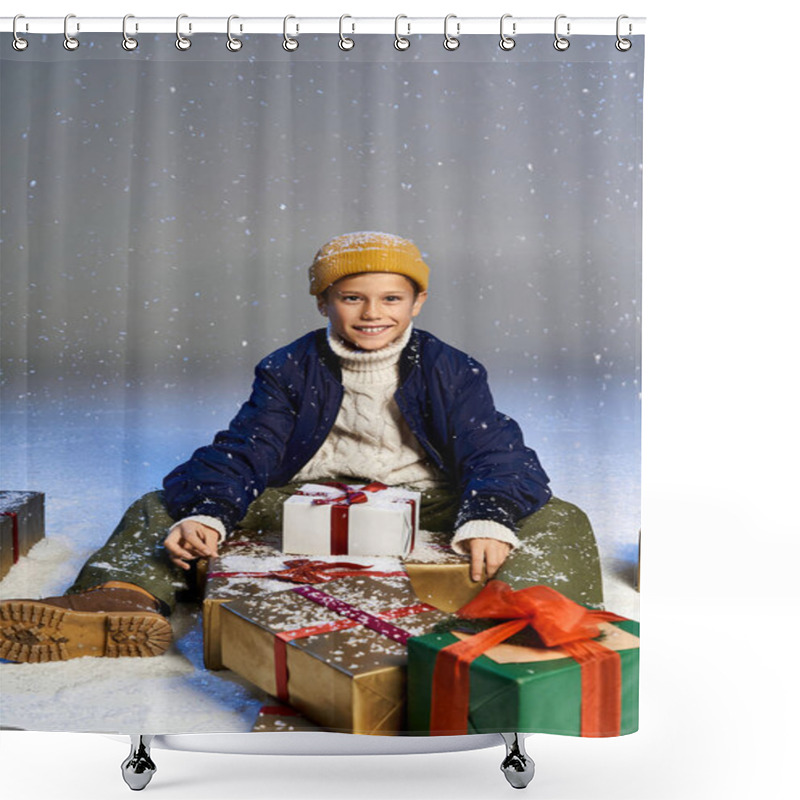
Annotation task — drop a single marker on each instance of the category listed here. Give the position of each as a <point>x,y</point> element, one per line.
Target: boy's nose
<point>371,310</point>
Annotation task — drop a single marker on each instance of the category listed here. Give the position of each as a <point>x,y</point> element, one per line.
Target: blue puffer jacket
<point>443,396</point>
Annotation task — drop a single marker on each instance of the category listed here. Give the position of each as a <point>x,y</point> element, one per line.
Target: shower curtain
<point>160,211</point>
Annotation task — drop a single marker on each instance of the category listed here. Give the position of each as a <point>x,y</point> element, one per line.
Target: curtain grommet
<point>290,44</point>
<point>451,42</point>
<point>561,43</point>
<point>507,42</point>
<point>345,43</point>
<point>128,42</point>
<point>18,43</point>
<point>623,45</point>
<point>70,42</point>
<point>233,44</point>
<point>400,42</point>
<point>181,41</point>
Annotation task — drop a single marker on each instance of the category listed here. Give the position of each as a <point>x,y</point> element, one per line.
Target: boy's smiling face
<point>372,309</point>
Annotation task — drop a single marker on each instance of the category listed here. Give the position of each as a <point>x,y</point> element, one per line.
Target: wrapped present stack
<point>21,525</point>
<point>249,560</point>
<point>369,644</point>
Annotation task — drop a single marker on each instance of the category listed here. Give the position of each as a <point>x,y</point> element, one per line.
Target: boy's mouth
<point>373,330</point>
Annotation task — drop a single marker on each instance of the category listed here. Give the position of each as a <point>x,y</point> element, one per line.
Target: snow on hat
<point>366,251</point>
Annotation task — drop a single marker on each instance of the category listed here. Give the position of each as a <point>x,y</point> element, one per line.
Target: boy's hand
<point>191,540</point>
<point>491,552</point>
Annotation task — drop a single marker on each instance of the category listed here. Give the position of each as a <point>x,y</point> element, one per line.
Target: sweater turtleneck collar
<point>368,360</point>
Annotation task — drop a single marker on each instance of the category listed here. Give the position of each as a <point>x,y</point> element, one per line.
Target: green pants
<point>557,546</point>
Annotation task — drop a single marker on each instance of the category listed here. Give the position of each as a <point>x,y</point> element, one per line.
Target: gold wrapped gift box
<point>21,525</point>
<point>349,678</point>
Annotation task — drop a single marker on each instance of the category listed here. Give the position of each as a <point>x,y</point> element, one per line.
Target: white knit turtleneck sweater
<point>370,439</point>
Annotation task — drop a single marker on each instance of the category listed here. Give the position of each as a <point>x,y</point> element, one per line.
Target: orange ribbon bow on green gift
<point>560,623</point>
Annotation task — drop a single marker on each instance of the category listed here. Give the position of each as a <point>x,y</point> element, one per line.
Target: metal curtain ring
<point>128,42</point>
<point>70,42</point>
<point>400,42</point>
<point>623,44</point>
<point>289,44</point>
<point>344,42</point>
<point>451,42</point>
<point>561,43</point>
<point>507,42</point>
<point>233,44</point>
<point>19,43</point>
<point>181,42</point>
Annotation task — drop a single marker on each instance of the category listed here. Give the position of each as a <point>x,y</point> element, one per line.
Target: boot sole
<point>33,632</point>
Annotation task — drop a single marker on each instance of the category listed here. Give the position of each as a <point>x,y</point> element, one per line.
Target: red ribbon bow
<point>303,570</point>
<point>349,496</point>
<point>560,623</point>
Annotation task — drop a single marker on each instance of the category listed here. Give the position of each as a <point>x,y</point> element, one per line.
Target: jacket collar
<point>410,358</point>
<point>326,355</point>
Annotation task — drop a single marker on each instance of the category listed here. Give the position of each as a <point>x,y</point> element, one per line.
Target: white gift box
<point>384,525</point>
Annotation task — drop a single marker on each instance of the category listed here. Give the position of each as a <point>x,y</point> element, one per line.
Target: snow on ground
<point>92,462</point>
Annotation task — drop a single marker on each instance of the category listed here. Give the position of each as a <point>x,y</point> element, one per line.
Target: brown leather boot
<point>114,619</point>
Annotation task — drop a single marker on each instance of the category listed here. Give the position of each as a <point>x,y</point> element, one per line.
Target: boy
<point>370,398</point>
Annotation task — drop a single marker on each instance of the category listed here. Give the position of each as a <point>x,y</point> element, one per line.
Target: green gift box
<point>521,689</point>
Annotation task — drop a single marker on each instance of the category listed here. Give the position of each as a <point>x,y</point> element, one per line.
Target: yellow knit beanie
<point>366,251</point>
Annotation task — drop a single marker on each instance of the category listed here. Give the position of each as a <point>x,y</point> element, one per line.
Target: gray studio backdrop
<point>159,211</point>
